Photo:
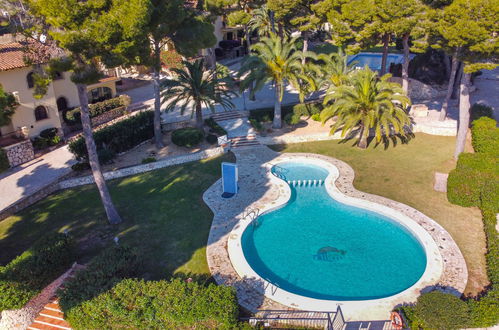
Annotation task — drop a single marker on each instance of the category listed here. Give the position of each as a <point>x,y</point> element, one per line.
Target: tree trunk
<point>252,96</point>
<point>111,212</point>
<point>199,117</point>
<point>248,38</point>
<point>464,114</point>
<point>457,83</point>
<point>305,45</point>
<point>386,41</point>
<point>445,105</point>
<point>447,63</point>
<point>158,136</point>
<point>405,65</point>
<point>277,107</point>
<point>362,144</point>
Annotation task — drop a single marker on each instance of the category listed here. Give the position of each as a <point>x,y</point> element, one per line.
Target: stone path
<point>25,180</point>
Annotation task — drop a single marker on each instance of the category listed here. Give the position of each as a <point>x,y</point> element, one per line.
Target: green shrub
<point>162,304</point>
<point>187,137</point>
<point>74,116</point>
<point>148,160</point>
<point>292,119</point>
<point>438,310</point>
<point>211,139</point>
<point>214,127</point>
<point>307,109</point>
<point>478,111</point>
<point>49,133</point>
<point>78,167</point>
<point>485,136</point>
<point>4,161</point>
<point>25,276</point>
<point>106,155</point>
<point>101,274</point>
<point>472,178</point>
<point>54,140</point>
<point>316,117</point>
<point>256,124</point>
<point>40,143</point>
<point>119,137</point>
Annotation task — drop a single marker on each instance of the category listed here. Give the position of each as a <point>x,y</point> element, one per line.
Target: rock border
<point>227,216</point>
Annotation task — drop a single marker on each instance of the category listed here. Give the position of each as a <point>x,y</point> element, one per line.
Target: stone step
<point>228,115</point>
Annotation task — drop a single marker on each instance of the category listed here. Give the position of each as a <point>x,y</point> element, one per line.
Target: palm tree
<point>335,70</point>
<point>194,86</point>
<point>367,102</point>
<point>261,21</point>
<point>278,61</point>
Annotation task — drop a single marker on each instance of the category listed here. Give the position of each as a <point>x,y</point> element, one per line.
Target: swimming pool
<point>320,248</point>
<point>373,60</point>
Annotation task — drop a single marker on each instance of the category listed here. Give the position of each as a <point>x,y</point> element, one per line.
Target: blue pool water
<point>373,60</point>
<point>317,247</point>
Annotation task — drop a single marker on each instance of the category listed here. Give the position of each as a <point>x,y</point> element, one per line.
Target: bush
<point>25,276</point>
<point>4,161</point>
<point>119,137</point>
<point>162,304</point>
<point>307,109</point>
<point>473,177</point>
<point>55,140</point>
<point>214,127</point>
<point>256,124</point>
<point>106,155</point>
<point>485,136</point>
<point>73,116</point>
<point>438,310</point>
<point>78,167</point>
<point>211,139</point>
<point>187,137</point>
<point>292,119</point>
<point>148,160</point>
<point>478,111</point>
<point>101,274</point>
<point>40,143</point>
<point>316,117</point>
<point>49,133</point>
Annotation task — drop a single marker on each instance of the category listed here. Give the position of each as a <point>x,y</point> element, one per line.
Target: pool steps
<point>305,183</point>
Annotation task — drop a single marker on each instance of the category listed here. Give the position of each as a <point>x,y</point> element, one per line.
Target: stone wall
<point>20,153</point>
<point>419,90</point>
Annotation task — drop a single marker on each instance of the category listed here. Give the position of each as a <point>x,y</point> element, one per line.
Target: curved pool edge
<point>445,269</point>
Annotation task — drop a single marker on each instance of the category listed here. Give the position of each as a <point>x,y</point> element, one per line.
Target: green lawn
<point>163,216</point>
<point>405,173</point>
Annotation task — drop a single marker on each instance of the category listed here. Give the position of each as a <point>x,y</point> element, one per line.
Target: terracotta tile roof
<point>13,55</point>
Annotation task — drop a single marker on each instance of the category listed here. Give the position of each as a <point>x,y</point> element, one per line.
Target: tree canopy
<point>8,105</point>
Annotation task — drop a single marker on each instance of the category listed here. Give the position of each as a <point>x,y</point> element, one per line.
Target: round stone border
<point>452,279</point>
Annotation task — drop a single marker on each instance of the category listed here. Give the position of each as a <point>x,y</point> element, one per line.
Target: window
<point>100,94</point>
<point>62,103</point>
<point>41,113</point>
<point>30,80</point>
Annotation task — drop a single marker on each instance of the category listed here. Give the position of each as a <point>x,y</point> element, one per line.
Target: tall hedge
<point>25,276</point>
<point>4,161</point>
<point>162,304</point>
<point>485,136</point>
<point>119,137</point>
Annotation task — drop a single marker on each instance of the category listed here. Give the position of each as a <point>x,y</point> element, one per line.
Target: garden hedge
<point>187,137</point>
<point>214,127</point>
<point>438,310</point>
<point>73,116</point>
<point>4,161</point>
<point>478,111</point>
<point>287,112</point>
<point>474,182</point>
<point>174,304</point>
<point>25,276</point>
<point>119,137</point>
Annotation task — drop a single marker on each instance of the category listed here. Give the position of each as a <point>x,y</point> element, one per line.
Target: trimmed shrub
<point>485,136</point>
<point>162,304</point>
<point>119,137</point>
<point>256,124</point>
<point>73,116</point>
<point>187,137</point>
<point>316,117</point>
<point>101,274</point>
<point>78,167</point>
<point>211,139</point>
<point>307,109</point>
<point>148,160</point>
<point>214,127</point>
<point>40,143</point>
<point>478,111</point>
<point>49,133</point>
<point>4,161</point>
<point>292,119</point>
<point>438,310</point>
<point>25,276</point>
<point>473,177</point>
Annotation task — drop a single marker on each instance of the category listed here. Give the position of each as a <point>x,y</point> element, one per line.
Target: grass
<point>405,173</point>
<point>164,217</point>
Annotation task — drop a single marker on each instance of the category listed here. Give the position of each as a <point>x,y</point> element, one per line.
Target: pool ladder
<point>305,183</point>
<point>252,215</point>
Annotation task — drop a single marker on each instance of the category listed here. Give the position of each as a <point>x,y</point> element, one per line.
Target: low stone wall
<point>20,153</point>
<point>419,90</point>
<point>143,168</point>
<point>167,127</point>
